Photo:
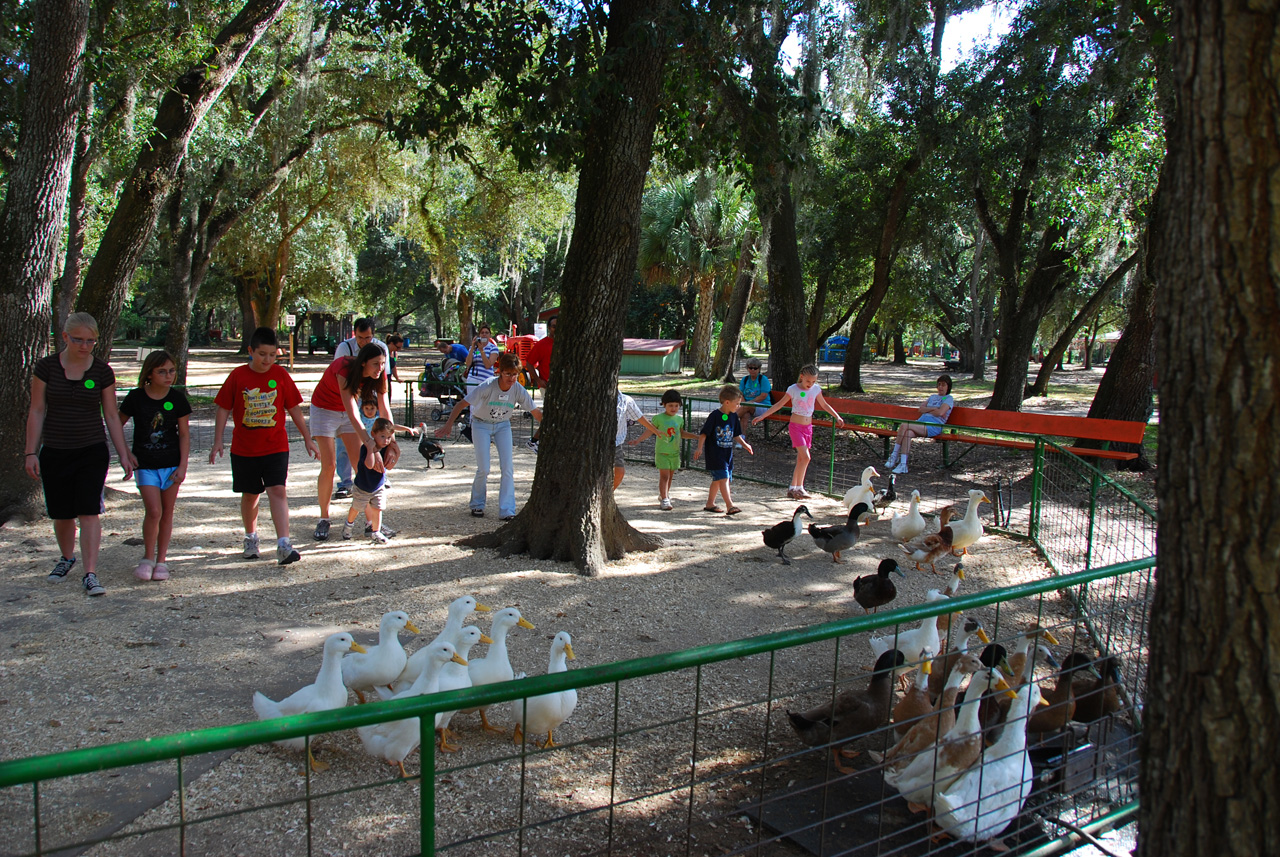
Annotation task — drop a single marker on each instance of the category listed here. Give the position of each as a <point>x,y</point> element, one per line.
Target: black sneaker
<point>384,529</point>
<point>92,586</point>
<point>322,530</point>
<point>342,492</point>
<point>60,570</point>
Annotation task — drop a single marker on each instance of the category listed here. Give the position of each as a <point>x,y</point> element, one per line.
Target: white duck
<point>539,714</point>
<point>456,677</point>
<point>380,665</point>
<point>982,801</point>
<point>324,694</point>
<point>912,643</point>
<point>459,610</point>
<point>395,740</point>
<point>930,773</point>
<point>909,525</point>
<point>968,529</point>
<point>864,492</point>
<point>495,666</point>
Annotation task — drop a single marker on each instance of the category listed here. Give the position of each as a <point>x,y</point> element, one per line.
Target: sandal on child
<point>732,510</point>
<point>145,570</point>
<point>160,572</point>
<point>715,509</point>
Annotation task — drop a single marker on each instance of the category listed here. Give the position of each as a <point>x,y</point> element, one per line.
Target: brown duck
<point>852,713</point>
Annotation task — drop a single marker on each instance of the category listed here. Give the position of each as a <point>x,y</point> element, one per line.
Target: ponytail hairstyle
<point>357,385</point>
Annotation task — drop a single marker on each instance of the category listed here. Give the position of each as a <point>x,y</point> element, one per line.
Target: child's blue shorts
<point>161,478</point>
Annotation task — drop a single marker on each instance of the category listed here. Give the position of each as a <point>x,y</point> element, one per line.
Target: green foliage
<point>655,312</point>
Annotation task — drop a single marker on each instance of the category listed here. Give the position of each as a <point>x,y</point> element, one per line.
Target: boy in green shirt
<point>666,446</point>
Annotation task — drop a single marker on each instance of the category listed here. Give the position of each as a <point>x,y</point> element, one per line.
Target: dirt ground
<point>159,658</point>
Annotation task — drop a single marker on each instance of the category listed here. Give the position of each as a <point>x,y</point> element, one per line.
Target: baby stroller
<point>444,382</point>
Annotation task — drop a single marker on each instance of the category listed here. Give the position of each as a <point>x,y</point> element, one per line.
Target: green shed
<point>651,356</point>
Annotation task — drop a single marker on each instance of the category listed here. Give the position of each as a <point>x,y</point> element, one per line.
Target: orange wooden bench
<point>871,418</point>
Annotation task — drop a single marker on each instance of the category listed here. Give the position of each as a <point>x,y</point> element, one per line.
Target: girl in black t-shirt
<point>161,444</point>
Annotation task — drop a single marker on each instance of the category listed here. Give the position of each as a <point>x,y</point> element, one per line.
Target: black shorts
<point>251,474</point>
<point>73,480</point>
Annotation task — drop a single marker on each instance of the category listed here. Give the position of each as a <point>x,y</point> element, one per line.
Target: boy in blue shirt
<point>369,487</point>
<point>723,427</point>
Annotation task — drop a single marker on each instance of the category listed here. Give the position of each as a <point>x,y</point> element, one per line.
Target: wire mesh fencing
<point>737,748</point>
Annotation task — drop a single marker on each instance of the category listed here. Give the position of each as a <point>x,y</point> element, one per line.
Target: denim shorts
<point>717,475</point>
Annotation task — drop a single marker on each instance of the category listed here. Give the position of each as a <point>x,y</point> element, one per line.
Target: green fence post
<point>1037,488</point>
<point>687,404</point>
<point>408,408</point>
<point>1093,514</point>
<point>427,785</point>
<point>831,468</point>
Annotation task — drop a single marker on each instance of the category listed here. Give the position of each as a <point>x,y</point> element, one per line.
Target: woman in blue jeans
<point>493,404</point>
<point>933,416</point>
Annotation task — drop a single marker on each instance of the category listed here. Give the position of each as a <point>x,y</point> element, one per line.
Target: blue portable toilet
<point>833,350</point>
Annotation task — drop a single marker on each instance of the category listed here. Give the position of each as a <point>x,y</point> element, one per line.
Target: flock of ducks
<point>389,672</point>
<point>865,504</point>
<point>961,727</point>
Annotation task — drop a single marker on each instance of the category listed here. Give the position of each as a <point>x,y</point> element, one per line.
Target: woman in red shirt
<point>335,413</point>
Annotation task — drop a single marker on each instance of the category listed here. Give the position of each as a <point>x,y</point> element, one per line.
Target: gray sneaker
<point>92,586</point>
<point>60,570</point>
<point>322,530</point>
<point>384,529</point>
<point>379,538</point>
<point>347,529</point>
<point>251,546</point>
<point>285,554</point>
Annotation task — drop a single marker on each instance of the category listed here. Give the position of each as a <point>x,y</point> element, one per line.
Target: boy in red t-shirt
<point>258,396</point>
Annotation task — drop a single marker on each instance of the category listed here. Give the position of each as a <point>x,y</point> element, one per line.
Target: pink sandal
<point>145,570</point>
<point>160,572</point>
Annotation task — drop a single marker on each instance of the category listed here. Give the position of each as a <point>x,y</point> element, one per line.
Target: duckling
<point>927,731</point>
<point>915,703</point>
<point>968,529</point>
<point>1061,699</point>
<point>944,664</point>
<point>1097,697</point>
<point>454,676</point>
<point>833,540</point>
<point>545,713</point>
<point>779,535</point>
<point>864,492</point>
<point>395,740</point>
<point>877,590</point>
<point>459,609</point>
<point>909,525</point>
<point>496,665</point>
<point>885,498</point>
<point>382,664</point>
<point>934,546</point>
<point>852,713</point>
<point>325,693</point>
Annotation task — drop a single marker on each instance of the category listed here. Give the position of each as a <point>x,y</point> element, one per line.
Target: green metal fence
<point>693,754</point>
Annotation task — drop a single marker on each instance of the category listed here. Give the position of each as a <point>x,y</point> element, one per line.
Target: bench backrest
<point>1051,425</point>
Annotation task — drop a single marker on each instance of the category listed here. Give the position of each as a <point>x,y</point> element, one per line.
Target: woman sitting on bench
<point>933,416</point>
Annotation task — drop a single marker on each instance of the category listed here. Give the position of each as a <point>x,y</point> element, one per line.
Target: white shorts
<point>327,423</point>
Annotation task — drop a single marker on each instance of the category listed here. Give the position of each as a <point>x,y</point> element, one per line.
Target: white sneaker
<point>251,546</point>
<point>285,554</point>
<point>891,461</point>
<point>665,505</point>
<point>347,529</point>
<point>900,469</point>
<point>379,538</point>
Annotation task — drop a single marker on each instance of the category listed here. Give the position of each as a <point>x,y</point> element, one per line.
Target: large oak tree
<point>1209,780</point>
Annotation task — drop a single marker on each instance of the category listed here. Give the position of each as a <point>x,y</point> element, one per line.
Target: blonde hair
<point>80,319</point>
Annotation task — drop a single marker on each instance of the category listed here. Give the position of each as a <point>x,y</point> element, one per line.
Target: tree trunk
<point>739,303</point>
<point>1091,307</point>
<point>67,287</point>
<point>571,514</point>
<point>129,231</point>
<point>899,350</point>
<point>31,225</point>
<point>1208,781</point>
<point>702,331</point>
<point>981,314</point>
<point>784,327</point>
